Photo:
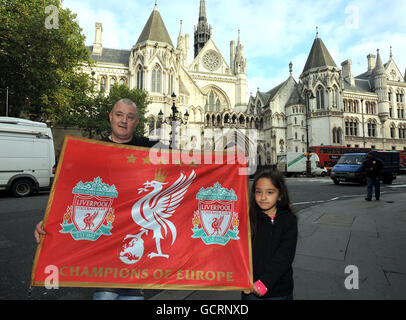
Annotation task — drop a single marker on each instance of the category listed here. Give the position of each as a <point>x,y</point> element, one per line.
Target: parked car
<point>27,156</point>
<point>349,167</point>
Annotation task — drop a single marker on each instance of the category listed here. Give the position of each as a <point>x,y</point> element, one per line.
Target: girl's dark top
<point>273,251</point>
<point>135,141</point>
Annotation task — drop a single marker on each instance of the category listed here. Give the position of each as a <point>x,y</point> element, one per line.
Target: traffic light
<point>310,154</point>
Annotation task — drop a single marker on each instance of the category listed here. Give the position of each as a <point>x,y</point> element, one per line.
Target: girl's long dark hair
<point>278,180</point>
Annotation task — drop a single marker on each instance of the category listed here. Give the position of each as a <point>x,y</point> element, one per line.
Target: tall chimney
<point>347,72</point>
<point>97,45</point>
<point>371,62</point>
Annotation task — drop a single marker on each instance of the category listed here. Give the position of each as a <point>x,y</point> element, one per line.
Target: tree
<point>93,118</point>
<point>42,50</point>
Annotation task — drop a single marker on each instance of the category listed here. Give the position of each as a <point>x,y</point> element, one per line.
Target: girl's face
<point>266,195</point>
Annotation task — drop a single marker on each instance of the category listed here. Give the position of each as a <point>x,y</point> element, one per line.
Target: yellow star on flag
<point>131,158</point>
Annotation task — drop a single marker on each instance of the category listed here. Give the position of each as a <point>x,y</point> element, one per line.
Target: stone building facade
<point>336,107</point>
<point>212,90</point>
<point>327,105</point>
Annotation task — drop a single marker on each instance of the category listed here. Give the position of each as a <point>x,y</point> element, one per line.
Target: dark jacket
<point>372,167</point>
<point>136,141</point>
<point>273,251</point>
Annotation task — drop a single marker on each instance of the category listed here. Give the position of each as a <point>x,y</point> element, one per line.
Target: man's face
<point>123,120</point>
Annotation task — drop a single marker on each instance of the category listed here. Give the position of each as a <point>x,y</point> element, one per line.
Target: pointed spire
<point>290,68</point>
<point>239,37</point>
<point>202,11</point>
<point>379,68</point>
<point>202,30</point>
<point>317,32</point>
<point>390,52</point>
<point>318,56</point>
<point>180,37</point>
<point>181,29</point>
<point>154,29</point>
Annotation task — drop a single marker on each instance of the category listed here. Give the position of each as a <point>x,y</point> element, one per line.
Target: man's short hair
<point>128,102</point>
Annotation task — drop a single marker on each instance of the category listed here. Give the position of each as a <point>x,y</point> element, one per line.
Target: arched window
<point>171,82</point>
<point>122,81</point>
<point>218,105</point>
<point>351,127</point>
<point>356,106</point>
<point>336,135</point>
<point>156,81</point>
<point>392,131</point>
<point>140,78</point>
<point>335,97</point>
<point>103,84</point>
<point>402,131</point>
<point>320,97</point>
<point>367,107</point>
<point>373,108</point>
<point>112,82</point>
<point>211,101</point>
<point>371,129</point>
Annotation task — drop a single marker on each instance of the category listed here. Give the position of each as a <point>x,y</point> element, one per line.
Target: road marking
<point>336,198</point>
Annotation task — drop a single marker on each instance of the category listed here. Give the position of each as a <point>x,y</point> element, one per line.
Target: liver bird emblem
<point>153,211</point>
<point>88,220</point>
<point>216,224</point>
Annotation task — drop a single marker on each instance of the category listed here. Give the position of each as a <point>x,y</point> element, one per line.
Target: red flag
<point>130,217</point>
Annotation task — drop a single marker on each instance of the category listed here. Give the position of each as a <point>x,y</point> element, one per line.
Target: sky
<point>273,32</point>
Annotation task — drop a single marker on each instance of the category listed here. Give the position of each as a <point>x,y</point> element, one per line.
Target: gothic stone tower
<point>321,86</point>
<point>202,30</point>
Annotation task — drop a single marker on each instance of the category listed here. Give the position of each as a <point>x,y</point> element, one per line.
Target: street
<point>19,216</point>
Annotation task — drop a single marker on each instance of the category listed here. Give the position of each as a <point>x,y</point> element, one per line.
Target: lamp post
<point>309,95</point>
<point>7,101</point>
<point>173,120</point>
<point>363,127</point>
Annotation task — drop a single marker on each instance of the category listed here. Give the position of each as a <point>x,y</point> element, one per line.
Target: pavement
<point>347,249</point>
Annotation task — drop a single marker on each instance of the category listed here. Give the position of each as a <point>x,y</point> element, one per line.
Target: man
<point>372,167</point>
<point>123,120</point>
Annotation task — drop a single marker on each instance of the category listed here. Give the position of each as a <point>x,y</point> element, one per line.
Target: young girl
<point>274,238</point>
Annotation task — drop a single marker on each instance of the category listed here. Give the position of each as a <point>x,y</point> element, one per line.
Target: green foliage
<point>40,65</point>
<point>94,117</point>
<point>44,69</point>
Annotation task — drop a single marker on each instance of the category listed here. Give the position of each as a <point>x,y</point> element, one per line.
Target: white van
<point>27,156</point>
<point>294,163</point>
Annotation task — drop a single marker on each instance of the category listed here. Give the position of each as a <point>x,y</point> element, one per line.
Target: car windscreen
<point>351,159</point>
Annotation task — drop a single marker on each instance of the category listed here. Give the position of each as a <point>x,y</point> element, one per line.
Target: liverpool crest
<point>215,215</point>
<point>90,214</point>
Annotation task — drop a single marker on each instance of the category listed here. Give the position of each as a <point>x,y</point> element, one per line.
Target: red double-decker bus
<point>329,155</point>
<point>402,169</point>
